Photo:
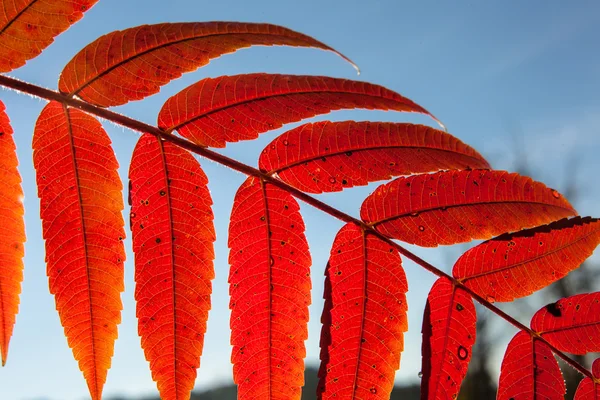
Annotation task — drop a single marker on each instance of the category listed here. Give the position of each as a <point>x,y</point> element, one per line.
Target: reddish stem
<point>248,170</point>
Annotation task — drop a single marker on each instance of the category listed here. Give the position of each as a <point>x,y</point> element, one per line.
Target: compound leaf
<point>364,318</point>
<point>27,27</point>
<point>451,207</point>
<point>81,204</point>
<point>589,389</point>
<point>571,324</point>
<point>173,234</point>
<point>12,233</point>
<point>215,111</point>
<point>270,292</point>
<point>134,63</point>
<point>332,156</point>
<point>449,331</point>
<point>516,265</point>
<point>529,371</point>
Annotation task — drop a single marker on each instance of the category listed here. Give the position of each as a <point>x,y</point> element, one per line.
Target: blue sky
<point>504,77</point>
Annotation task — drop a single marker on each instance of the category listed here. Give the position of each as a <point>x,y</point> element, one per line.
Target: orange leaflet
<point>12,234</point>
<point>134,63</point>
<point>173,234</point>
<point>529,371</point>
<point>571,324</point>
<point>457,206</point>
<point>516,265</point>
<point>449,329</point>
<point>215,111</point>
<point>364,318</point>
<point>270,292</point>
<point>28,26</point>
<point>331,156</point>
<point>589,389</point>
<point>81,204</point>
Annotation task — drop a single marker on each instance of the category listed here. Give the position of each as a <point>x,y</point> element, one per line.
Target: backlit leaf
<point>364,318</point>
<point>529,371</point>
<point>81,204</point>
<point>29,26</point>
<point>457,206</point>
<point>270,292</point>
<point>449,330</point>
<point>516,265</point>
<point>134,63</point>
<point>215,111</point>
<point>571,324</point>
<point>173,234</point>
<point>589,389</point>
<point>12,233</point>
<point>331,156</point>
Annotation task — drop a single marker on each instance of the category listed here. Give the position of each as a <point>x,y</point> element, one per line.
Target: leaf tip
<point>352,63</point>
<point>441,124</point>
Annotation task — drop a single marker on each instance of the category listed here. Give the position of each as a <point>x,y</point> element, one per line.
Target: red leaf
<point>12,233</point>
<point>589,389</point>
<point>81,204</point>
<point>513,266</point>
<point>458,206</point>
<point>449,330</point>
<point>571,324</point>
<point>215,111</point>
<point>364,317</point>
<point>270,292</point>
<point>529,371</point>
<point>331,156</point>
<point>173,235</point>
<point>28,27</point>
<point>134,63</point>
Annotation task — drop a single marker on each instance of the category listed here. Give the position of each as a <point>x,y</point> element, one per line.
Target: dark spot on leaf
<point>553,309</point>
<point>463,353</point>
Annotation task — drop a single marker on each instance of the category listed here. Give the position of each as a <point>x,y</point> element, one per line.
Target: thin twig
<point>139,126</point>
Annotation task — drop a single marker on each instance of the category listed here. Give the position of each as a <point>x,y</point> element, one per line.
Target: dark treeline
<point>411,392</point>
